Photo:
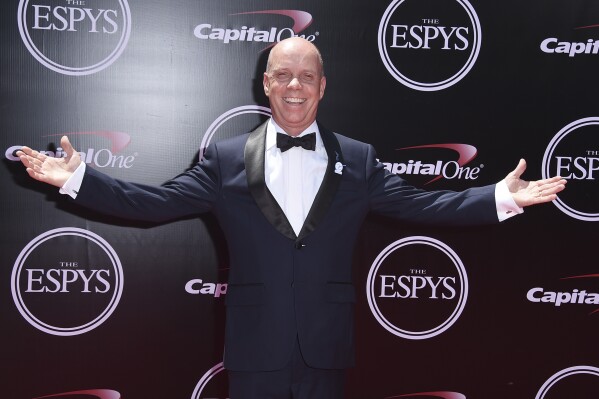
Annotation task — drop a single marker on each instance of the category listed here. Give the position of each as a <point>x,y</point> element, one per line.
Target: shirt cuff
<point>73,184</point>
<point>506,206</point>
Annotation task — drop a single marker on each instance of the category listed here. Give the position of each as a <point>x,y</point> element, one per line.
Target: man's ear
<point>266,84</point>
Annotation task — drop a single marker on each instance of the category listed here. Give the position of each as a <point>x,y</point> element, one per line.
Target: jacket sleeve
<point>390,195</point>
<point>192,192</point>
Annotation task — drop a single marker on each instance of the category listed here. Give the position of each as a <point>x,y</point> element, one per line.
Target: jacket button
<point>299,245</point>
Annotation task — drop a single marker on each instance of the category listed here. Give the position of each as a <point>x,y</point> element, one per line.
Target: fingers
<point>26,160</point>
<point>33,174</point>
<point>548,191</point>
<point>37,175</point>
<point>32,160</point>
<point>551,182</point>
<point>30,154</point>
<point>24,150</point>
<point>546,198</point>
<point>538,192</point>
<point>32,164</point>
<point>26,155</point>
<point>520,168</point>
<point>66,146</point>
<point>553,188</point>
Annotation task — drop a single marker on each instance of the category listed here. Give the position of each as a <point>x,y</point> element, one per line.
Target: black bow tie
<point>307,142</point>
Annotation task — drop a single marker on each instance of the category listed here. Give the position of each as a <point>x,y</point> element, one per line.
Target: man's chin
<point>293,128</point>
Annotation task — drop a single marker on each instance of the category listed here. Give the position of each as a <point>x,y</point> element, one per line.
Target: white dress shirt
<point>294,176</point>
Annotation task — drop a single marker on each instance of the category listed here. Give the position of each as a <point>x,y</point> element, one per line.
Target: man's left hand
<point>526,193</point>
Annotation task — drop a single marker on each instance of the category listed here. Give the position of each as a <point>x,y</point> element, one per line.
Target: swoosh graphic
<point>98,393</point>
<point>466,153</point>
<point>439,394</point>
<point>301,19</point>
<point>118,140</point>
<point>588,27</point>
<point>584,276</point>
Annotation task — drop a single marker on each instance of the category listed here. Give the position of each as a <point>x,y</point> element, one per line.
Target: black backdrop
<point>92,306</point>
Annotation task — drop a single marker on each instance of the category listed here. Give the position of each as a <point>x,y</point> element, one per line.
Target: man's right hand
<point>55,171</point>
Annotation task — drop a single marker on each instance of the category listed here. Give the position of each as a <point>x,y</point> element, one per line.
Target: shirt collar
<point>271,134</point>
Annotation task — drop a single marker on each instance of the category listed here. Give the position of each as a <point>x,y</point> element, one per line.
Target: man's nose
<point>294,84</point>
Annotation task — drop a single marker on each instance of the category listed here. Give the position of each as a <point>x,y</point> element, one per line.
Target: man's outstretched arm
<point>190,193</point>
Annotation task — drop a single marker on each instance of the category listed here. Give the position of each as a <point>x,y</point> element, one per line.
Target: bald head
<point>294,44</point>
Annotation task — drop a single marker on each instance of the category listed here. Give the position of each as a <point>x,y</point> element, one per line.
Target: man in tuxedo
<point>290,198</point>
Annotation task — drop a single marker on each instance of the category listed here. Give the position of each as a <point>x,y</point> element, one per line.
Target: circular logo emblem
<point>67,281</point>
<point>417,288</point>
<point>575,382</point>
<point>226,129</point>
<point>217,387</point>
<point>573,154</point>
<point>75,39</point>
<point>429,45</point>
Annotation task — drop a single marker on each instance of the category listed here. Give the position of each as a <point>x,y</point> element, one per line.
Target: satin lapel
<point>254,169</point>
<point>329,185</point>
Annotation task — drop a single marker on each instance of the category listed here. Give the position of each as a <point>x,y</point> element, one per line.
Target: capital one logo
<point>233,123</point>
<point>417,288</point>
<point>573,153</point>
<point>75,37</point>
<point>197,286</point>
<point>568,294</point>
<point>590,46</point>
<point>434,168</point>
<point>580,382</point>
<point>98,157</point>
<point>67,281</point>
<point>429,45</point>
<point>301,20</point>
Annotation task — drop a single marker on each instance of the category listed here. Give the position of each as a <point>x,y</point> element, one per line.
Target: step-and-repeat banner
<point>452,93</point>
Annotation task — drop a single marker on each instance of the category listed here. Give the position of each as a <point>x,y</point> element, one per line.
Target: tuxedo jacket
<point>284,288</point>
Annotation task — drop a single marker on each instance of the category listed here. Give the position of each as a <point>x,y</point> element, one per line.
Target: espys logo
<point>570,293</point>
<point>429,45</point>
<point>67,281</point>
<point>433,168</point>
<point>301,20</point>
<point>101,158</point>
<point>553,45</point>
<point>222,127</point>
<point>76,37</point>
<point>94,393</point>
<point>574,155</point>
<point>210,387</point>
<point>578,382</point>
<point>417,276</point>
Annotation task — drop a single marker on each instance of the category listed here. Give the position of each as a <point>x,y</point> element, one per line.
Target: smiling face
<point>294,84</point>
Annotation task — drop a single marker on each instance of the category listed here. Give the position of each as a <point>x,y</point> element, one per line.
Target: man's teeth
<point>294,100</point>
